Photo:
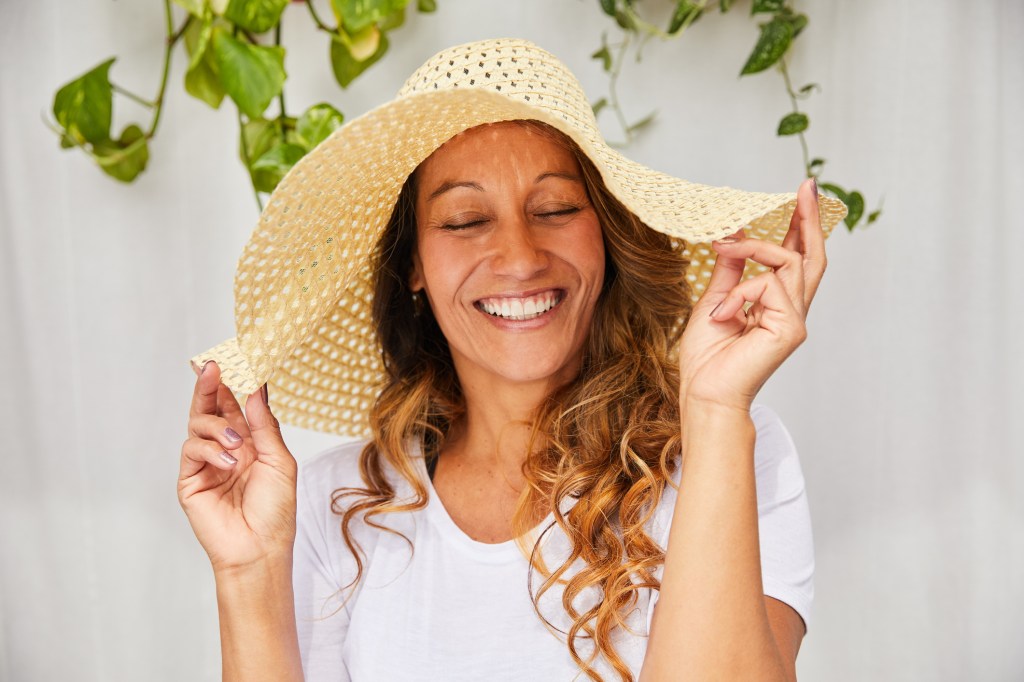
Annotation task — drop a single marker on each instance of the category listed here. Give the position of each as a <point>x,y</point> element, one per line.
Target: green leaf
<point>873,216</point>
<point>608,7</point>
<point>686,13</point>
<point>272,166</point>
<point>362,45</point>
<point>775,38</point>
<point>255,15</point>
<point>599,105</point>
<point>794,123</point>
<point>605,56</point>
<point>642,123</point>
<point>805,91</point>
<point>724,5</point>
<point>855,204</point>
<point>258,136</point>
<point>346,67</point>
<point>799,22</point>
<point>426,5</point>
<point>83,107</point>
<point>252,75</point>
<point>202,79</point>
<point>760,6</point>
<point>194,7</point>
<point>125,158</point>
<point>394,20</point>
<point>833,189</point>
<point>624,20</point>
<point>316,123</point>
<point>356,15</point>
<point>816,165</point>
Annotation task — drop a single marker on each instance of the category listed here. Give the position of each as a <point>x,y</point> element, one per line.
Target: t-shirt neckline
<point>491,552</point>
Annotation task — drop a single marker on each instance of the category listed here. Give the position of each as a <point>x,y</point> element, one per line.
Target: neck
<point>498,423</point>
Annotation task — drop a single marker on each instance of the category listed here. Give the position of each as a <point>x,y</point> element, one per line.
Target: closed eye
<point>562,212</point>
<point>453,227</point>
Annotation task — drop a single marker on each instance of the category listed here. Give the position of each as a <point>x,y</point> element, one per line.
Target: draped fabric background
<point>902,401</point>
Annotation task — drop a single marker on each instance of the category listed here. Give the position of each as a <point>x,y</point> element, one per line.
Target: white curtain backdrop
<point>903,401</point>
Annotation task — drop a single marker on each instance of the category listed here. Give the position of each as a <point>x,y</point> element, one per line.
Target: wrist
<point>703,418</point>
<point>273,567</point>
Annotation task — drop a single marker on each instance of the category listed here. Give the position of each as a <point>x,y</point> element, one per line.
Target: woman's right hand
<point>242,512</point>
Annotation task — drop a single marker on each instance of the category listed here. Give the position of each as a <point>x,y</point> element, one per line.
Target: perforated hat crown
<point>303,287</point>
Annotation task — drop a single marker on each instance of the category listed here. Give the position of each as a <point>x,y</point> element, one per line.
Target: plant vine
<point>235,52</point>
<point>777,35</point>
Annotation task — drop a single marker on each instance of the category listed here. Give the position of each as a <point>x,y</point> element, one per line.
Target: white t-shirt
<point>458,609</point>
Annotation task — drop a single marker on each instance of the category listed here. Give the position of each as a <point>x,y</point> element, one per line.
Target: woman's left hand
<point>726,355</point>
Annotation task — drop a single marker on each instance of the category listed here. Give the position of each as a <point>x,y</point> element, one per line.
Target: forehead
<point>482,147</point>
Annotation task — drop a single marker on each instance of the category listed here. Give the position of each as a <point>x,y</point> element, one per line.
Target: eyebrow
<point>452,184</point>
<point>559,174</point>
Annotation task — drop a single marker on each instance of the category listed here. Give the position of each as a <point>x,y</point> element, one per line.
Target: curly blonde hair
<point>609,439</point>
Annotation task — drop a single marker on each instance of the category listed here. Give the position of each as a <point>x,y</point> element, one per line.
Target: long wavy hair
<point>609,439</point>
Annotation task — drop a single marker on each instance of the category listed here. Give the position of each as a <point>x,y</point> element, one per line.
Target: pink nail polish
<point>228,458</point>
<point>712,313</point>
<point>232,435</point>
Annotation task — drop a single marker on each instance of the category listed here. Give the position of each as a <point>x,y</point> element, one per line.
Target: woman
<point>513,513</point>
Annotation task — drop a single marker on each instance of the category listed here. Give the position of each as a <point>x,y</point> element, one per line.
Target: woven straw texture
<point>303,287</point>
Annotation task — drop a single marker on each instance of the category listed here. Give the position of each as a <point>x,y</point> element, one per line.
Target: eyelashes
<point>551,216</point>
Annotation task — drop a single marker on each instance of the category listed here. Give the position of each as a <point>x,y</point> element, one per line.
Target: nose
<point>519,251</point>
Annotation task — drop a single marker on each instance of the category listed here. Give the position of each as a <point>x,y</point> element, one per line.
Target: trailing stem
<point>796,110</point>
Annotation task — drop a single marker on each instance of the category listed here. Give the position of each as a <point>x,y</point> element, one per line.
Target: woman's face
<point>509,254</point>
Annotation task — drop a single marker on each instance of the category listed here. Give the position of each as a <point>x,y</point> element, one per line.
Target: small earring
<point>417,303</point>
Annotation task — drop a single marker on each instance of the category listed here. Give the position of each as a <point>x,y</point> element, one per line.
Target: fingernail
<point>712,313</point>
<point>232,435</point>
<point>205,365</point>
<point>228,458</point>
<point>728,240</point>
<point>814,184</point>
<point>266,395</point>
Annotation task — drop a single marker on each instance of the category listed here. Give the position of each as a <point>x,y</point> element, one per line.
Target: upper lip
<point>522,294</point>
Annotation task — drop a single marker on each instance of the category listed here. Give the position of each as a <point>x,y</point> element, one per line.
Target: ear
<point>416,282</point>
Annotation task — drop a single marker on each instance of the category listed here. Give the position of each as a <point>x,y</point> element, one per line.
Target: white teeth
<point>519,308</point>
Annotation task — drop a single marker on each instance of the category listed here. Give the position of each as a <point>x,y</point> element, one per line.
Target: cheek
<point>442,267</point>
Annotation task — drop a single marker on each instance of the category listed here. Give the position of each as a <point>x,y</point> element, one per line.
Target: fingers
<point>204,397</point>
<point>211,427</point>
<point>788,265</point>
<point>197,452</point>
<point>266,431</point>
<point>777,313</point>
<point>727,272</point>
<point>806,237</point>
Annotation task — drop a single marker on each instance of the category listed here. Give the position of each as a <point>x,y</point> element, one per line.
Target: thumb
<point>265,429</point>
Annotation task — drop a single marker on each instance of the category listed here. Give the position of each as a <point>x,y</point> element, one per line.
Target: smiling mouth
<point>524,308</point>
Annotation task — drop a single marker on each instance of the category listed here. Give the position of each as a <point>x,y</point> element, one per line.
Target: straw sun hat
<point>303,287</point>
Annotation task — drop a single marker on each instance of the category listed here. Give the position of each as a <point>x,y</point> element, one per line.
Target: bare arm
<point>257,624</point>
<point>237,485</point>
<point>712,620</point>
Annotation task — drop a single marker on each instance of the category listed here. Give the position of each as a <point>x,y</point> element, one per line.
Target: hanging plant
<point>234,52</point>
<point>777,35</point>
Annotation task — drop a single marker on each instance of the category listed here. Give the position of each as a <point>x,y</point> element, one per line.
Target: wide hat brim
<point>303,286</point>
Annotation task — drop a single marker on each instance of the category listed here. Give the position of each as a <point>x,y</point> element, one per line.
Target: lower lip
<point>523,325</point>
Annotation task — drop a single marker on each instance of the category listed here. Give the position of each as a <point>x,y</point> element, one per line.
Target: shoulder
<point>337,467</point>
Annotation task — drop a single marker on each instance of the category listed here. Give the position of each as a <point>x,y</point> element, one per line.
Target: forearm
<point>710,621</point>
<point>257,624</point>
